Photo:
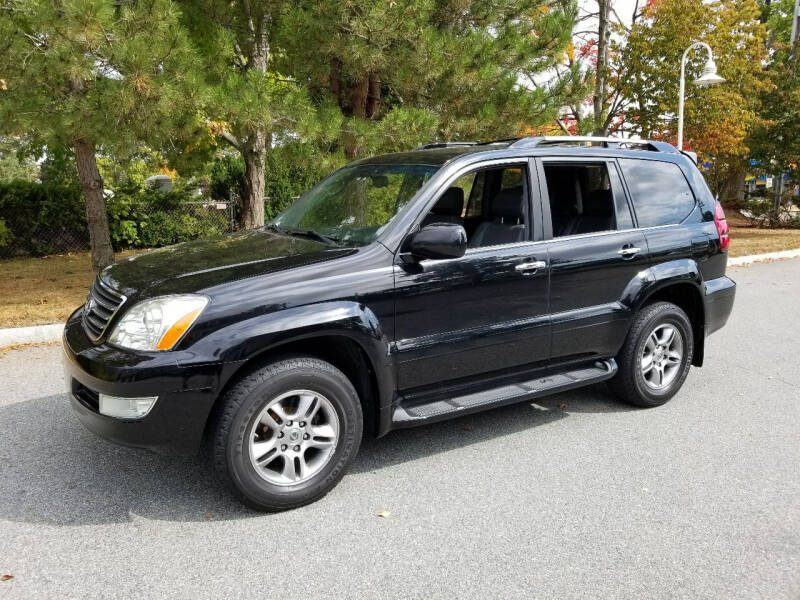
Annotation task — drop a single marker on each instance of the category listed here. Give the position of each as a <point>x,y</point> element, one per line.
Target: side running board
<point>408,414</point>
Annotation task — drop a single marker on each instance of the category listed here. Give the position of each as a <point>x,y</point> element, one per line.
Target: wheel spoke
<point>263,450</point>
<point>301,462</point>
<point>307,407</point>
<point>322,436</point>
<point>289,471</point>
<point>647,364</point>
<point>652,342</point>
<point>667,336</point>
<point>267,419</point>
<point>278,409</point>
<point>659,376</point>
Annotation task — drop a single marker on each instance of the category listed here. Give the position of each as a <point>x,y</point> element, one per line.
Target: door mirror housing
<point>438,241</point>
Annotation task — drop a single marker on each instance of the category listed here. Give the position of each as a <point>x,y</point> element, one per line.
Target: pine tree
<point>87,74</point>
<point>247,103</point>
<point>406,71</point>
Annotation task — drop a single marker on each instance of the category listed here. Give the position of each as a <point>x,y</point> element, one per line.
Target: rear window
<point>661,195</point>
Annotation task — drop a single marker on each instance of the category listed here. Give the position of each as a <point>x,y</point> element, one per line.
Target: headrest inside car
<point>451,203</point>
<point>508,204</point>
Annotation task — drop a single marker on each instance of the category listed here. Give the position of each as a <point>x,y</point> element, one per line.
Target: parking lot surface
<point>573,496</point>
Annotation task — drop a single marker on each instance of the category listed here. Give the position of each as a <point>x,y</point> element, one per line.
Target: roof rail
<point>605,142</point>
<point>445,145</point>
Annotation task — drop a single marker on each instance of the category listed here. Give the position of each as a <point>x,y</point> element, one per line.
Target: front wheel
<point>656,356</point>
<point>287,433</point>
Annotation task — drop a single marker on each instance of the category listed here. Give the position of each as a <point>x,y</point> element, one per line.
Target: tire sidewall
<point>336,388</point>
<point>669,316</point>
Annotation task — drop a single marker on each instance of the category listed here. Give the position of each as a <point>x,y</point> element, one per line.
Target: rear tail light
<point>722,227</point>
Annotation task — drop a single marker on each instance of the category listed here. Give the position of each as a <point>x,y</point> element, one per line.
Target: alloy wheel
<point>293,437</point>
<point>662,356</point>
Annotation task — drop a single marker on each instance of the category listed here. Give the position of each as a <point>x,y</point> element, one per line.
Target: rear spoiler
<point>691,155</point>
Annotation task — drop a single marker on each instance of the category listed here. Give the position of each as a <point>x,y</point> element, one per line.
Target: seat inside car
<point>598,212</point>
<point>448,208</point>
<point>508,220</point>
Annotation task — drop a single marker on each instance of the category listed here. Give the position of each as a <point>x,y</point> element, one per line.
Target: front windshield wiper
<point>309,233</point>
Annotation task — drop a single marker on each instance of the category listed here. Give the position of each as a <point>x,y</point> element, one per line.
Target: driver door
<point>485,313</point>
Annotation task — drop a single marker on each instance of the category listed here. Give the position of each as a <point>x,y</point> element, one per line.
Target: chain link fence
<point>26,230</point>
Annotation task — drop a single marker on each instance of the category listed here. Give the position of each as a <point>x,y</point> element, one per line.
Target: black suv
<point>401,290</point>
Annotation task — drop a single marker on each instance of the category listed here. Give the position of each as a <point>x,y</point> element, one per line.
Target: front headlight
<point>158,323</point>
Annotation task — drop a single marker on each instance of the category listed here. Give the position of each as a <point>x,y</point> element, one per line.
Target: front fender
<point>245,339</point>
<point>242,341</point>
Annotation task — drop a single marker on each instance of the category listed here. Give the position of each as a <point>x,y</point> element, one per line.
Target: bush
<point>147,218</point>
<point>5,234</point>
<point>42,218</point>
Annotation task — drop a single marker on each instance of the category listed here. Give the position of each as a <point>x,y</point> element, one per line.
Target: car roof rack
<point>433,145</point>
<point>603,142</point>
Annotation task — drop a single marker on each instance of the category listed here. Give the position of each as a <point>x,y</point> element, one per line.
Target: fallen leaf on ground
<point>384,513</point>
<point>6,577</point>
<point>466,428</point>
<point>208,516</point>
<point>562,405</point>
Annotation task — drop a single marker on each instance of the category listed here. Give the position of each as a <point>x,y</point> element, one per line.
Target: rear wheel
<point>287,433</point>
<point>656,357</point>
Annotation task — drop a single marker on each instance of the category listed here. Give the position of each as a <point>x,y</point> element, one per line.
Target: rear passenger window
<point>581,198</point>
<point>661,195</point>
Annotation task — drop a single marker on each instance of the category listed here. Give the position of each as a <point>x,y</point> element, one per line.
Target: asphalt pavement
<point>575,496</point>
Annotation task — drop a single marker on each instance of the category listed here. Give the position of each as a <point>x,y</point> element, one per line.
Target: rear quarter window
<point>661,195</point>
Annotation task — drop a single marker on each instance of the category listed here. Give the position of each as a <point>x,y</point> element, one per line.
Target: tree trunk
<point>601,77</point>
<point>733,186</point>
<point>373,96</point>
<point>254,151</point>
<point>96,216</point>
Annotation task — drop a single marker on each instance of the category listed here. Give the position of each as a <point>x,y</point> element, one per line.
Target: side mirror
<point>438,241</point>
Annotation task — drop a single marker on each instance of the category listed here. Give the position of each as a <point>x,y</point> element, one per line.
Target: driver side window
<point>491,205</point>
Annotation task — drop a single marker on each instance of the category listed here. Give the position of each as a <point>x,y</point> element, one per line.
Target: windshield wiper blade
<point>316,235</point>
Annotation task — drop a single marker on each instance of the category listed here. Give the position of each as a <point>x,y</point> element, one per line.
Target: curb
<point>743,261</point>
<point>38,334</point>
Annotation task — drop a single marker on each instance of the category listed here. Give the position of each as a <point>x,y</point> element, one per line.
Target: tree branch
<point>231,139</point>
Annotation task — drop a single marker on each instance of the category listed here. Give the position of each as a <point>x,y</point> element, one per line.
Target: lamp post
<point>707,78</point>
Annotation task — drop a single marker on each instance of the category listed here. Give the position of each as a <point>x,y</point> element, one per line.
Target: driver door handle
<point>529,268</point>
<point>629,251</point>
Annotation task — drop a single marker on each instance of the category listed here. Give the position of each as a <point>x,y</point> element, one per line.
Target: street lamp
<point>707,78</point>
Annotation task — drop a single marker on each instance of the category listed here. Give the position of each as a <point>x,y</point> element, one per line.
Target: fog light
<point>126,408</point>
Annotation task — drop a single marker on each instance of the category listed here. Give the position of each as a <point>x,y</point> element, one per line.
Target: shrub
<point>42,218</point>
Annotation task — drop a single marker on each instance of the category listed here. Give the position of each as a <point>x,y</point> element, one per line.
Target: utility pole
<point>796,23</point>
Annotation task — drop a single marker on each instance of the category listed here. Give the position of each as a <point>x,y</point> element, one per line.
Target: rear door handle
<point>529,268</point>
<point>629,251</point>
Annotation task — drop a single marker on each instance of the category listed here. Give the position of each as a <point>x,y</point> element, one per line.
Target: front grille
<point>101,305</point>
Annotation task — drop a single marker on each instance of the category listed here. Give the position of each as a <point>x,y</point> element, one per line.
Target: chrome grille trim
<point>101,306</point>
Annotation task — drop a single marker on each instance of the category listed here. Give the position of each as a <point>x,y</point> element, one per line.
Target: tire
<point>637,380</point>
<point>249,453</point>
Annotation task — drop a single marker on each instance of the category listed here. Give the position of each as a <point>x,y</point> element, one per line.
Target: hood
<point>194,266</point>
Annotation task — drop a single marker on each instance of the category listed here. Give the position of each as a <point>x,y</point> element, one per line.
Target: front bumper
<point>718,295</point>
<point>186,386</point>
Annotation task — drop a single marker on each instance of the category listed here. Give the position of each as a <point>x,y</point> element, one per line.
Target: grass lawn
<point>750,240</point>
<point>38,291</point>
<point>35,291</point>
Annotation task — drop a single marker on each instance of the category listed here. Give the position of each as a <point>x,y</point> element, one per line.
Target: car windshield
<point>354,204</point>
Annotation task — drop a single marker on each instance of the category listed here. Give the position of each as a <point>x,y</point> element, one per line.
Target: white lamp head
<point>709,75</point>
